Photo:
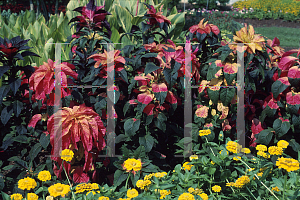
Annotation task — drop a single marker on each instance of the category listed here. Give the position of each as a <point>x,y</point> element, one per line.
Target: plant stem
<point>285,178</point>
<point>68,179</point>
<point>43,191</point>
<point>127,181</point>
<point>251,193</point>
<point>260,180</point>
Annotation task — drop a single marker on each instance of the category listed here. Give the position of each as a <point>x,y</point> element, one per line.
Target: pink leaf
<point>34,120</point>
<point>79,176</point>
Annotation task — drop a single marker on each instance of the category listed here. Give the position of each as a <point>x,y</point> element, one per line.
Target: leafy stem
<point>68,179</point>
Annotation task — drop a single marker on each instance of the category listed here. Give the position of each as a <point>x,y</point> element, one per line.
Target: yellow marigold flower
<point>191,190</point>
<point>32,196</point>
<point>276,189</point>
<point>164,193</point>
<point>160,174</point>
<point>289,164</point>
<point>186,196</point>
<point>142,184</point>
<point>237,158</point>
<point>274,150</point>
<point>246,150</point>
<point>203,196</point>
<point>243,180</point>
<point>249,170</point>
<point>95,186</point>
<point>132,164</point>
<point>283,144</point>
<point>233,147</point>
<point>212,162</point>
<point>149,176</point>
<point>67,155</point>
<point>58,189</point>
<point>44,176</point>
<point>26,183</point>
<point>263,154</point>
<point>103,198</point>
<point>204,132</point>
<point>260,174</point>
<point>193,157</point>
<point>49,198</point>
<point>216,188</point>
<point>198,191</point>
<point>213,112</point>
<point>132,193</point>
<point>16,196</point>
<point>230,184</point>
<point>186,166</point>
<point>261,147</point>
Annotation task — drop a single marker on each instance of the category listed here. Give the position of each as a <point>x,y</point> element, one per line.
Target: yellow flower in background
<point>49,198</point>
<point>149,176</point>
<point>32,196</point>
<point>44,176</point>
<point>212,162</point>
<point>260,174</point>
<point>198,191</point>
<point>283,144</point>
<point>220,152</point>
<point>90,192</point>
<point>204,132</point>
<point>237,158</point>
<point>263,154</point>
<point>26,183</point>
<point>261,147</point>
<point>132,164</point>
<point>67,155</point>
<point>164,193</point>
<point>142,184</point>
<point>249,170</point>
<point>192,157</point>
<point>230,184</point>
<point>213,112</point>
<point>276,189</point>
<point>216,188</point>
<point>289,164</point>
<point>103,198</point>
<point>274,150</point>
<point>204,196</point>
<point>191,190</point>
<point>186,196</point>
<point>186,166</point>
<point>160,174</point>
<point>132,193</point>
<point>59,189</point>
<point>246,150</point>
<point>16,196</point>
<point>233,147</point>
<point>240,182</point>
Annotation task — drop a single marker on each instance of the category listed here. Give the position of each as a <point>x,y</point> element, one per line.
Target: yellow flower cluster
<point>26,183</point>
<point>240,182</point>
<point>283,144</point>
<point>284,6</point>
<point>164,193</point>
<point>103,198</point>
<point>132,193</point>
<point>274,150</point>
<point>204,132</point>
<point>67,155</point>
<point>195,191</point>
<point>132,164</point>
<point>289,164</point>
<point>44,176</point>
<point>86,187</point>
<point>59,189</point>
<point>276,189</point>
<point>32,196</point>
<point>233,147</point>
<point>16,196</point>
<point>143,183</point>
<point>216,188</point>
<point>193,157</point>
<point>186,196</point>
<point>187,166</point>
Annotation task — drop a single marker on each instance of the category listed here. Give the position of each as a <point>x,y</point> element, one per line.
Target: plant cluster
<point>150,74</point>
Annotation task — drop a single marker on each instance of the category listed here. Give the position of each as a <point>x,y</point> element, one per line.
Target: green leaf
<point>281,128</point>
<point>213,95</point>
<point>119,177</point>
<point>150,67</point>
<point>265,136</point>
<point>5,196</point>
<point>8,167</point>
<point>6,114</point>
<point>295,145</point>
<point>278,87</point>
<point>45,140</point>
<point>226,95</point>
<point>17,106</point>
<point>131,126</point>
<point>147,141</point>
<point>35,150</point>
<point>124,18</point>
